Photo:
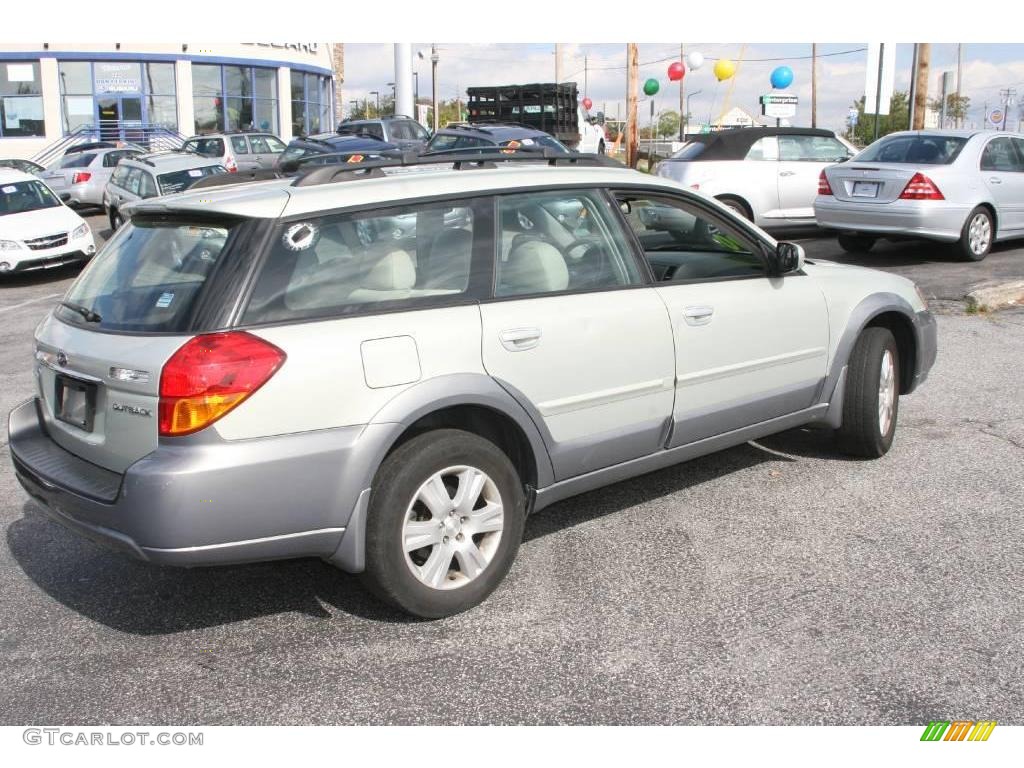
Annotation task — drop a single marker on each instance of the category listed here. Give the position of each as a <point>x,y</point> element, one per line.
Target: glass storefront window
<point>311,103</point>
<point>21,103</point>
<point>223,98</point>
<point>117,91</point>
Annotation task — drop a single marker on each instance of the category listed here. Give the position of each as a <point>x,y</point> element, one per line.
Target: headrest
<point>395,271</point>
<point>533,266</point>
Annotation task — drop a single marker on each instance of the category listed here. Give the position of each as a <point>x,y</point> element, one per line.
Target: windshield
<point>178,181</point>
<point>148,277</point>
<point>915,150</point>
<point>24,196</point>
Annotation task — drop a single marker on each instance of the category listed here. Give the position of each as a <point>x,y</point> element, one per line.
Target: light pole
<point>686,117</point>
<point>434,58</point>
<point>377,94</point>
<point>415,92</point>
<point>394,97</point>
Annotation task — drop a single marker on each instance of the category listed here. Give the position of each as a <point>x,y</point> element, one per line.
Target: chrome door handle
<point>787,173</point>
<point>698,315</point>
<point>995,180</point>
<point>519,339</point>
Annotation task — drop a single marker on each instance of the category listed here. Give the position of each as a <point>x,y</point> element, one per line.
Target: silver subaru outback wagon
<point>390,370</point>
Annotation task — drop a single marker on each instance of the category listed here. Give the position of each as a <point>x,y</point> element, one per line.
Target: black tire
<point>855,243</point>
<point>388,573</point>
<point>861,433</point>
<point>600,147</point>
<point>964,250</point>
<point>115,220</point>
<point>737,206</point>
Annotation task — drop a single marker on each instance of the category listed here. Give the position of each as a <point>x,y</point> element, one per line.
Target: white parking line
<point>30,301</point>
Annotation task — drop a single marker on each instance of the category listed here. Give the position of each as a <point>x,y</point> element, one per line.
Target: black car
<point>400,130</point>
<point>465,136</point>
<point>331,146</point>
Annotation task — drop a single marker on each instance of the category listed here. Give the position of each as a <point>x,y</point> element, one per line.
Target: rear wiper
<point>88,314</point>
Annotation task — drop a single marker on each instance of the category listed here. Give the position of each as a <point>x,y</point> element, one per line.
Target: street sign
<point>779,105</point>
<point>852,117</point>
<point>886,75</point>
<point>996,116</point>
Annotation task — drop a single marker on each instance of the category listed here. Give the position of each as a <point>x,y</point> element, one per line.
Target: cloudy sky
<point>841,73</point>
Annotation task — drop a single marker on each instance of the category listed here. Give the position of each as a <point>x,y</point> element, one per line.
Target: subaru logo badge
<point>62,358</point>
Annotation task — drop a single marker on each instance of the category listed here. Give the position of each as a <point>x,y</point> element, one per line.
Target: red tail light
<point>921,188</point>
<point>824,188</point>
<point>231,165</point>
<point>209,376</point>
<point>81,176</point>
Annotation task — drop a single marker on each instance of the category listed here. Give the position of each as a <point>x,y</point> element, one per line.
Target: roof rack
<point>329,174</point>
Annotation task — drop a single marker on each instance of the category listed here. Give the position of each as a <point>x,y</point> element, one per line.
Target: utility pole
<point>434,58</point>
<point>959,80</point>
<point>814,85</point>
<point>632,88</point>
<point>878,87</point>
<point>586,76</point>
<point>924,55</point>
<point>682,100</point>
<point>558,62</point>
<point>913,90</point>
<point>1008,96</point>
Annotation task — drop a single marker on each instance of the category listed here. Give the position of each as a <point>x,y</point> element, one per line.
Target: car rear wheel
<point>872,396</point>
<point>115,220</point>
<point>977,236</point>
<point>737,206</point>
<point>445,521</point>
<point>855,243</point>
<point>600,148</point>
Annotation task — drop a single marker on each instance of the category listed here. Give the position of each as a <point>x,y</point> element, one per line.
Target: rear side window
<point>238,144</point>
<point>691,151</point>
<point>148,276</point>
<point>913,150</point>
<point>409,257</point>
<point>111,159</point>
<point>1000,155</point>
<point>205,147</point>
<point>178,181</point>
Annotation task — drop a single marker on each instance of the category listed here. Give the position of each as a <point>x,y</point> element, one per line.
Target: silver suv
<point>390,370</point>
<point>145,176</point>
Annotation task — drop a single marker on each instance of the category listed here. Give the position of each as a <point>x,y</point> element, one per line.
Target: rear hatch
<point>100,353</point>
<point>61,175</point>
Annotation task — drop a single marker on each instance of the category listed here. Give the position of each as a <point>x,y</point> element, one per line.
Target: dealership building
<point>51,90</point>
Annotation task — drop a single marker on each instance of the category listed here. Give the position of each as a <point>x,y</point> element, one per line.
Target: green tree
<point>956,108</point>
<point>367,108</point>
<point>863,132</point>
<point>449,112</point>
<point>668,123</point>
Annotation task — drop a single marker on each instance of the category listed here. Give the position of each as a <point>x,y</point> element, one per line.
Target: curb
<point>992,296</point>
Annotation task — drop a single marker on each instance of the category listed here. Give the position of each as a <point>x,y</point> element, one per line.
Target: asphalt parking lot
<point>774,583</point>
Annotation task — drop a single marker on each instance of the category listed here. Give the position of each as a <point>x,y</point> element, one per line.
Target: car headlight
<point>9,245</point>
<point>80,232</point>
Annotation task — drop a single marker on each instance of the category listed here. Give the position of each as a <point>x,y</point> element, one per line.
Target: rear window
<point>691,151</point>
<point>913,150</point>
<point>77,160</point>
<point>148,277</point>
<point>402,258</point>
<point>178,181</point>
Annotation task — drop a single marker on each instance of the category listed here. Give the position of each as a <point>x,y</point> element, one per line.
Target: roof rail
<point>328,174</point>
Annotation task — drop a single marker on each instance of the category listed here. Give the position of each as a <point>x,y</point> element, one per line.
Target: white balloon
<point>694,60</point>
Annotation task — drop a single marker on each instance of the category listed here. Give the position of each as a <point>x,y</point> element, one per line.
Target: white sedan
<point>766,175</point>
<point>37,230</point>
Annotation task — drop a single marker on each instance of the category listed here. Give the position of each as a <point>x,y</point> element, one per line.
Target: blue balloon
<point>782,77</point>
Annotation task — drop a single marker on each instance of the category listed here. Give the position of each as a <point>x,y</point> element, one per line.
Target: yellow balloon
<point>724,69</point>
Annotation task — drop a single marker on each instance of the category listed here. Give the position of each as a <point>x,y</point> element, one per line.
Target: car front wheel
<point>115,221</point>
<point>872,396</point>
<point>445,521</point>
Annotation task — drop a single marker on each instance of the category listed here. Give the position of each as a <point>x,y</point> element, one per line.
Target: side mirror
<point>789,258</point>
<point>64,197</point>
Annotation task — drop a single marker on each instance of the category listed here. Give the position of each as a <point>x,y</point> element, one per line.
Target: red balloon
<point>676,70</point>
<point>587,104</point>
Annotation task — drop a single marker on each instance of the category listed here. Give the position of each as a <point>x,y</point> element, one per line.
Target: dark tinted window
<point>148,277</point>
<point>445,141</point>
<point>681,242</point>
<point>239,145</point>
<point>1000,155</point>
<point>404,257</point>
<point>914,150</point>
<point>691,151</point>
<point>111,159</point>
<point>205,147</point>
<point>77,160</point>
<point>176,181</point>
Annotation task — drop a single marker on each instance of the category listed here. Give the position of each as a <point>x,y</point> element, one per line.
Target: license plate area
<point>75,401</point>
<point>865,188</point>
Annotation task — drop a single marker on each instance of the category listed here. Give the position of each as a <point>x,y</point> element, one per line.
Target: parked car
<point>238,150</point>
<point>490,136</point>
<point>37,231</point>
<point>767,175</point>
<point>329,147</point>
<point>25,166</point>
<point>269,370</point>
<point>959,187</point>
<point>79,177</point>
<point>145,176</point>
<point>400,130</point>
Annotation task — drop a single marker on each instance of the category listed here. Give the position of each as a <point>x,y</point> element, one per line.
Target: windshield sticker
<point>165,300</point>
<point>299,237</point>
<point>10,190</point>
<point>195,173</point>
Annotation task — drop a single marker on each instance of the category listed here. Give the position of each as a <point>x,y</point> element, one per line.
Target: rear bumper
<point>199,502</point>
<point>931,219</point>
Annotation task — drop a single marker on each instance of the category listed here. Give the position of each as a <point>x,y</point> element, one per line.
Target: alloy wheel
<point>886,392</point>
<point>979,234</point>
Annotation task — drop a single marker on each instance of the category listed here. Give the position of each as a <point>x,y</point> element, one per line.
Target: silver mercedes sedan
<point>960,187</point>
